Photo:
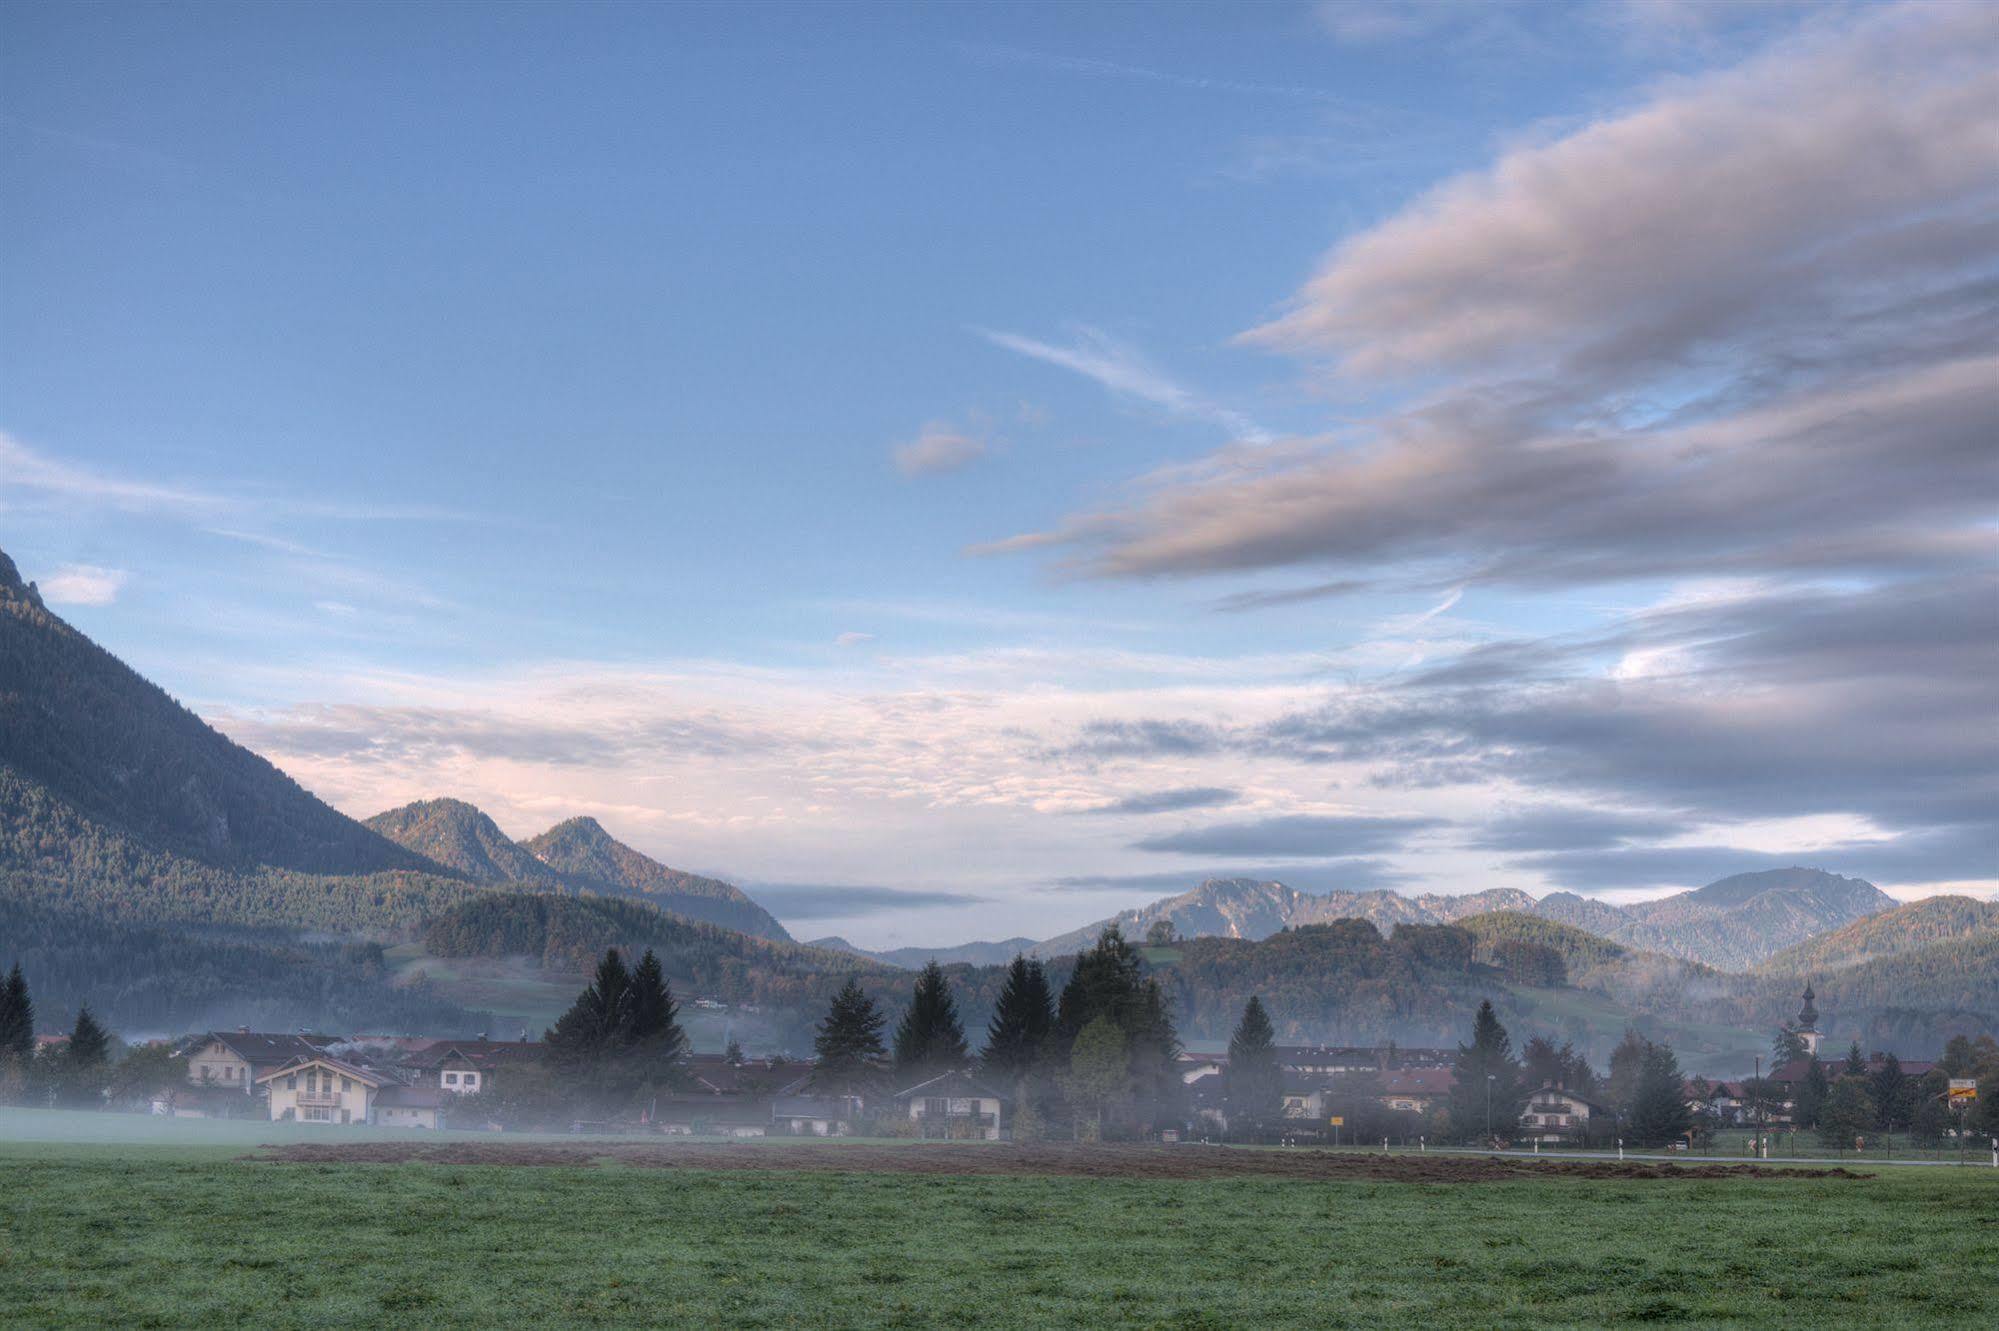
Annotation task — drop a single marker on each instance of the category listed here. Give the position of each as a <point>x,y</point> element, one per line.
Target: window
<point>450,1079</point>
<point>291,1082</point>
<point>936,1105</point>
<point>346,1084</point>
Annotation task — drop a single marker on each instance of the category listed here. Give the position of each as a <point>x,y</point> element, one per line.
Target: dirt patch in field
<point>1135,1162</point>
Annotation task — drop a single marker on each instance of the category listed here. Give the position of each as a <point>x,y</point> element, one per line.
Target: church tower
<point>1808,1024</point>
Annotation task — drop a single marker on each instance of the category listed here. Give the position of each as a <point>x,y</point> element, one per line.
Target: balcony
<point>318,1099</point>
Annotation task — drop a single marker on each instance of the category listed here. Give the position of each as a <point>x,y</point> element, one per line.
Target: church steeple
<point>1808,1024</point>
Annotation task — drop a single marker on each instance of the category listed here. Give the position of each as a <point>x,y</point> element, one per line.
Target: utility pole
<point>1490,1077</point>
<point>1761,1154</point>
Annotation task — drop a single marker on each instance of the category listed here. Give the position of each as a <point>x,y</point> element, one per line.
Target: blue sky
<point>903,457</point>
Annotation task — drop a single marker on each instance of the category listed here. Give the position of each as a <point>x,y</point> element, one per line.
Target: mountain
<point>914,958</point>
<point>587,856</point>
<point>1919,924</point>
<point>460,837</point>
<point>1246,908</point>
<point>86,728</point>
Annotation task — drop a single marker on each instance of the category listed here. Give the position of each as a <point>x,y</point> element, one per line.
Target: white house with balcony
<point>1556,1114</point>
<point>957,1107</point>
<point>322,1089</point>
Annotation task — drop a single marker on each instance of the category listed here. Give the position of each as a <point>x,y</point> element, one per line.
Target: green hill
<point>1919,924</point>
<point>463,839</point>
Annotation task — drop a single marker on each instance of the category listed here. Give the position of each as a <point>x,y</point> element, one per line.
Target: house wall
<point>405,1116</point>
<point>348,1095</point>
<point>459,1081</point>
<point>214,1063</point>
<point>964,1104</point>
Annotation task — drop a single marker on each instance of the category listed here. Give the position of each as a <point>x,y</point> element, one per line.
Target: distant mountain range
<point>574,856</point>
<point>913,958</point>
<point>1731,924</point>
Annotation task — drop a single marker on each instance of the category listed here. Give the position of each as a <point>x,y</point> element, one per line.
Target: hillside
<point>1916,925</point>
<point>85,727</point>
<point>1246,908</point>
<point>461,838</point>
<point>914,958</point>
<point>588,857</point>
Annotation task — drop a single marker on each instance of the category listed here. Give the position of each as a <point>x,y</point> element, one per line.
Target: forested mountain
<point>1919,924</point>
<point>588,857</point>
<point>570,933</point>
<point>914,958</point>
<point>85,727</point>
<point>1247,908</point>
<point>460,837</point>
<point>146,981</point>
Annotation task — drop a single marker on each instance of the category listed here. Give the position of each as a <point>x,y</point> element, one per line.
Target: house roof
<point>1419,1081</point>
<point>478,1053</point>
<point>398,1096</point>
<point>254,1047</point>
<point>1549,1088</point>
<point>953,1083</point>
<point>373,1077</point>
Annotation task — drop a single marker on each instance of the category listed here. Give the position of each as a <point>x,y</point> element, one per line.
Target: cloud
<point>853,638</point>
<point>1567,828</point>
<point>1126,372</point>
<point>1944,855</point>
<point>832,901</point>
<point>24,471</point>
<point>1238,602</point>
<point>1333,875</point>
<point>1308,836</point>
<point>83,584</point>
<point>939,448</point>
<point>1169,801</point>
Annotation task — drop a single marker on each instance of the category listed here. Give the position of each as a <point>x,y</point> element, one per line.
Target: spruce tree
<point>929,1040</point>
<point>656,1036</point>
<point>598,1026</point>
<point>1109,981</point>
<point>1893,1092</point>
<point>1856,1062</point>
<point>1658,1112</point>
<point>17,1020</point>
<point>1023,1019</point>
<point>1255,1083</point>
<point>1808,1100</point>
<point>849,1044</point>
<point>1849,1114</point>
<point>1486,1075</point>
<point>89,1043</point>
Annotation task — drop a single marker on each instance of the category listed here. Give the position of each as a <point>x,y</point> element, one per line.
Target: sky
<point>960,471</point>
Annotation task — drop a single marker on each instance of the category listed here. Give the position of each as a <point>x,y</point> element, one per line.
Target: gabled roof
<point>253,1047</point>
<point>1550,1088</point>
<point>1419,1081</point>
<point>371,1076</point>
<point>479,1053</point>
<point>953,1083</point>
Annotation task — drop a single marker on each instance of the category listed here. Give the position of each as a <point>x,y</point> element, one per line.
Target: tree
<point>1099,1072</point>
<point>1856,1062</point>
<point>600,1019</point>
<point>1849,1113</point>
<point>17,1020</point>
<point>1788,1047</point>
<point>1808,1100</point>
<point>1894,1094</point>
<point>1627,1068</point>
<point>1544,1063</point>
<point>849,1044</point>
<point>1930,1119</point>
<point>1023,1019</point>
<point>148,1072</point>
<point>929,1040</point>
<point>1658,1112</point>
<point>89,1044</point>
<point>1109,981</point>
<point>1486,1096</point>
<point>1255,1084</point>
<point>1161,933</point>
<point>656,1040</point>
<point>733,1052</point>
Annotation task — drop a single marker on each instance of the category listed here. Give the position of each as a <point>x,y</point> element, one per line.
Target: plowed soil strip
<point>1133,1162</point>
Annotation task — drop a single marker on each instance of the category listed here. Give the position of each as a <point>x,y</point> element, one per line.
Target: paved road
<point>1981,1159</point>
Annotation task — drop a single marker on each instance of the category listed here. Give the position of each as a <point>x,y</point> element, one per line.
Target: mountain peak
<point>13,586</point>
<point>581,851</point>
<point>461,837</point>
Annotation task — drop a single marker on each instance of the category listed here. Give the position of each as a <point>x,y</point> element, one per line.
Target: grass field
<point>96,1233</point>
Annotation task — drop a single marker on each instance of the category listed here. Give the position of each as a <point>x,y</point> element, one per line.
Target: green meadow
<point>187,1232</point>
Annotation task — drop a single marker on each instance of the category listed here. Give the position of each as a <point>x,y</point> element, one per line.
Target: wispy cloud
<point>1091,67</point>
<point>939,447</point>
<point>1126,372</point>
<point>83,584</point>
<point>27,473</point>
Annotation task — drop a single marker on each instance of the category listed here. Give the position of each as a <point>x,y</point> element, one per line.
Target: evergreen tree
<point>599,1024</point>
<point>1856,1062</point>
<point>1788,1047</point>
<point>1930,1119</point>
<point>1023,1020</point>
<point>17,1020</point>
<point>1109,981</point>
<point>1658,1113</point>
<point>929,1040</point>
<point>1849,1113</point>
<point>1808,1100</point>
<point>1894,1094</point>
<point>1627,1069</point>
<point>1544,1063</point>
<point>655,1033</point>
<point>733,1053</point>
<point>1255,1083</point>
<point>849,1044</point>
<point>1099,1074</point>
<point>89,1044</point>
<point>1486,1097</point>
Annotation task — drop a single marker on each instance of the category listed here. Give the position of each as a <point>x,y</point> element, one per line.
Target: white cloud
<point>26,472</point>
<point>1125,371</point>
<point>83,584</point>
<point>853,638</point>
<point>939,447</point>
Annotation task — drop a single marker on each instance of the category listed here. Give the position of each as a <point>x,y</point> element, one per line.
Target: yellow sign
<point>1963,1089</point>
<point>1339,1122</point>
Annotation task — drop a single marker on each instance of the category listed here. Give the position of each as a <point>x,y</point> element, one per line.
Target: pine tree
<point>89,1043</point>
<point>930,1040</point>
<point>1659,1107</point>
<point>1808,1100</point>
<point>17,1020</point>
<point>1109,981</point>
<point>1023,1020</point>
<point>1856,1062</point>
<point>1486,1096</point>
<point>598,1026</point>
<point>1255,1083</point>
<point>733,1052</point>
<point>1099,1072</point>
<point>1849,1113</point>
<point>656,1036</point>
<point>1930,1119</point>
<point>1894,1093</point>
<point>849,1044</point>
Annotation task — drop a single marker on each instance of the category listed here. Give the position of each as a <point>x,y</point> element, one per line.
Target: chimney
<point>242,1030</point>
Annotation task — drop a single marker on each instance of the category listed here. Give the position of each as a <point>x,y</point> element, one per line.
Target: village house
<point>466,1067</point>
<point>814,1115</point>
<point>1556,1114</point>
<point>1415,1090</point>
<point>238,1060</point>
<point>324,1089</point>
<point>955,1106</point>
